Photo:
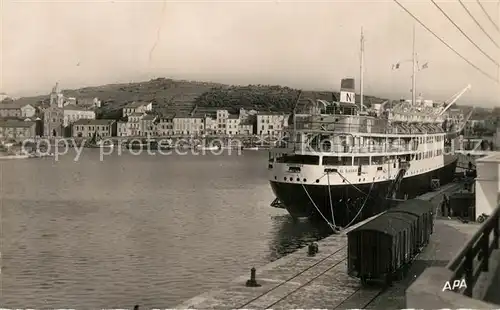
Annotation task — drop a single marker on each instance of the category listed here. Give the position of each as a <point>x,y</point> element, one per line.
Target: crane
<point>454,99</point>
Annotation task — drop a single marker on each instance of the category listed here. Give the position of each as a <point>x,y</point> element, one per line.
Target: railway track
<point>342,259</point>
<point>361,298</point>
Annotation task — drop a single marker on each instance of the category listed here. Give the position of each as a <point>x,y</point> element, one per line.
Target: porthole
<point>298,179</point>
<point>317,180</point>
<point>275,177</point>
<point>305,180</point>
<point>284,178</point>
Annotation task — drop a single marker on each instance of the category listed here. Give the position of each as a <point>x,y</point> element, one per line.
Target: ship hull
<point>347,200</point>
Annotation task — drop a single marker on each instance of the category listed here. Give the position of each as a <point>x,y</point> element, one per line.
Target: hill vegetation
<point>181,95</point>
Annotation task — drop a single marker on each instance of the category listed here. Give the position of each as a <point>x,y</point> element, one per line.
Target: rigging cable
<point>488,15</point>
<point>460,29</point>
<point>477,23</point>
<point>446,44</point>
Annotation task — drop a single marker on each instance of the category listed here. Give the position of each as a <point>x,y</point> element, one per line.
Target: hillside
<point>184,95</point>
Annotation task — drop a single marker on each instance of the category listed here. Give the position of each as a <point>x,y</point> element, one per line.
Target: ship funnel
<point>347,93</point>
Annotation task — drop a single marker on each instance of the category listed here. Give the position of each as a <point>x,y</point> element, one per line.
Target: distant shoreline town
<point>167,109</point>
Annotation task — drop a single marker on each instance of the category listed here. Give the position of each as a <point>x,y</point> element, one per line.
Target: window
<point>337,161</point>
<point>378,160</point>
<point>365,160</point>
<point>299,159</point>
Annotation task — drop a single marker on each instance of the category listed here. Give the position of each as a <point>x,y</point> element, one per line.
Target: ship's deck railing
<point>474,257</point>
<point>378,127</point>
<point>340,148</point>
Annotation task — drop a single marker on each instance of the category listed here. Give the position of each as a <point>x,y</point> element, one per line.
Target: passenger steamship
<point>344,163</point>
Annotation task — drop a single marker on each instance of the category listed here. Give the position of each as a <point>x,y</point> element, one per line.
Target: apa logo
<point>448,286</point>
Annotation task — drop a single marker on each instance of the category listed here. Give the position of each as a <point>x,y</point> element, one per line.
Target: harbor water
<point>147,230</point>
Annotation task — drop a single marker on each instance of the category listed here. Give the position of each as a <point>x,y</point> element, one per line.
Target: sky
<point>303,44</point>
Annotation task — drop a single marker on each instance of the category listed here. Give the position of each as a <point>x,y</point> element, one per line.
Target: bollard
<point>312,249</point>
<point>252,282</point>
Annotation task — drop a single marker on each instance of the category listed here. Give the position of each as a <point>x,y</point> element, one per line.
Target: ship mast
<point>413,77</point>
<point>361,71</point>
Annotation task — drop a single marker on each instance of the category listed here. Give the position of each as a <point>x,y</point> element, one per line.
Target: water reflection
<point>291,235</point>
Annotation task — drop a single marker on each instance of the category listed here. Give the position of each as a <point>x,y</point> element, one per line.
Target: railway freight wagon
<point>382,249</point>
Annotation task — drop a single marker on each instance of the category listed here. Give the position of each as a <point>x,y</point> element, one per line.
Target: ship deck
<point>300,281</point>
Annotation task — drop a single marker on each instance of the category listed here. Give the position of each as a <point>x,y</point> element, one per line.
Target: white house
<point>72,113</point>
<point>27,110</point>
<point>148,125</point>
<point>271,123</point>
<point>134,124</point>
<point>17,110</point>
<point>165,126</point>
<point>221,118</point>
<point>137,107</point>
<point>122,129</point>
<point>245,129</point>
<point>232,124</point>
<point>89,102</point>
<point>210,125</point>
<point>185,124</point>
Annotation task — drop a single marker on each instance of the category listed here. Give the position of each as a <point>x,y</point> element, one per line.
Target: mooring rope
<point>361,209</point>
<point>330,196</point>
<point>317,209</point>
<point>355,187</point>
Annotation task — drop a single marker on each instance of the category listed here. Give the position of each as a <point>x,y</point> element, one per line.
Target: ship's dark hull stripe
<point>347,200</point>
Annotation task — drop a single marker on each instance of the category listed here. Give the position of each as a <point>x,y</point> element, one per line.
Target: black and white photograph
<point>226,154</point>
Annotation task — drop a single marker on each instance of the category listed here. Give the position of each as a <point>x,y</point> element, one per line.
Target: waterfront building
<point>16,129</point>
<point>221,118</point>
<point>73,113</point>
<point>165,126</point>
<point>271,123</point>
<point>122,129</point>
<point>210,124</point>
<point>232,124</point>
<point>245,129</point>
<point>148,125</point>
<point>134,124</point>
<point>186,124</point>
<point>14,109</point>
<point>103,128</point>
<point>137,107</point>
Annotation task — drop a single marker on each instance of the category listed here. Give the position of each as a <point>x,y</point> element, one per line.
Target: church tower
<point>56,97</point>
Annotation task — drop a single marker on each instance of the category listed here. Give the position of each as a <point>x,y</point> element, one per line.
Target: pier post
<point>252,282</point>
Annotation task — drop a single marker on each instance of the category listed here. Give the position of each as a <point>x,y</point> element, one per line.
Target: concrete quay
<point>321,281</point>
